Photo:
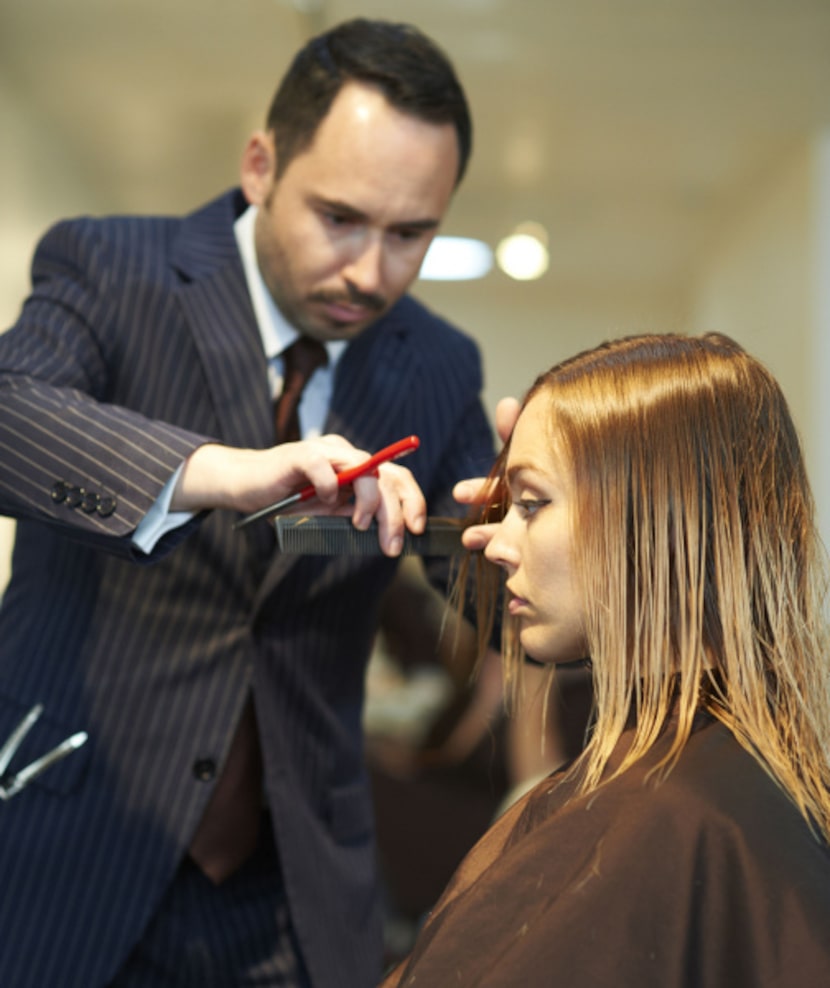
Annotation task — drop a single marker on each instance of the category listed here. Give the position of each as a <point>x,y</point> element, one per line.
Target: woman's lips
<point>515,605</point>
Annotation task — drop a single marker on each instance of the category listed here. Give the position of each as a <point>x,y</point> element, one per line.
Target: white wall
<point>526,327</point>
<point>761,281</point>
<point>755,282</point>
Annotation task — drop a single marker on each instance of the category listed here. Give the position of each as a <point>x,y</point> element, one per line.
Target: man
<point>135,426</point>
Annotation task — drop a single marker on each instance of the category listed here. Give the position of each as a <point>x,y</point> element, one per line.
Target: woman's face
<point>533,543</point>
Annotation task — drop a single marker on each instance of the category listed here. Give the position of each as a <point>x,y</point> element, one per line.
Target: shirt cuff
<point>160,520</point>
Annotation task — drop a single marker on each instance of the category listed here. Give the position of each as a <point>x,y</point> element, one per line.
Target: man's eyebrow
<point>346,209</point>
<point>336,206</point>
<point>422,224</point>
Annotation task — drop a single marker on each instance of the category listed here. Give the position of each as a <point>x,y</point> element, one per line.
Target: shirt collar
<point>276,332</point>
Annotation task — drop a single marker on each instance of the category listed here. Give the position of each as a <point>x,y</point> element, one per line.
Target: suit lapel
<point>214,300</point>
<point>216,305</point>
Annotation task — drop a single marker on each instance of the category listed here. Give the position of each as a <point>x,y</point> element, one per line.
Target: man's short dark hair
<point>411,71</point>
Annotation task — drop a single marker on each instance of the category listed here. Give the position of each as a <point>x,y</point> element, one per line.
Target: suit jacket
<point>137,344</point>
<point>711,879</point>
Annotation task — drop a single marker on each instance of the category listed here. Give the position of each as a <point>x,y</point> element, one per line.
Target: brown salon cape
<point>711,878</point>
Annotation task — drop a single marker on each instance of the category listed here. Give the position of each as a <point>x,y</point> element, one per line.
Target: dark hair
<point>414,75</point>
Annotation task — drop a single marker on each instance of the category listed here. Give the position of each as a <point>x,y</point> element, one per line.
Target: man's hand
<point>475,491</point>
<point>246,480</point>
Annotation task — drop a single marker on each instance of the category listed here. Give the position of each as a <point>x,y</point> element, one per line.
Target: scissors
<point>401,448</point>
<point>10,785</point>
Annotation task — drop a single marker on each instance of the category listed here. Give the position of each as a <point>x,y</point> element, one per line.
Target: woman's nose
<point>499,550</point>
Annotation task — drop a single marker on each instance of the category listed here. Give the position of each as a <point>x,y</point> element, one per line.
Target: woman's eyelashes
<point>528,506</point>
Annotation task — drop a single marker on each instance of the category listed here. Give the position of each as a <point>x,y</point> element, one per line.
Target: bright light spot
<point>524,254</point>
<point>456,259</point>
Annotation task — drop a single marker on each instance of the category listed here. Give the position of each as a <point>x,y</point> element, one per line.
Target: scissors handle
<point>392,452</point>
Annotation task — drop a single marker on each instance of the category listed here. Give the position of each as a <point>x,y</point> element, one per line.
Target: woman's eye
<point>530,505</point>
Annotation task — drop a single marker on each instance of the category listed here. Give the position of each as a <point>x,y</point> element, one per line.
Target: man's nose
<point>364,270</point>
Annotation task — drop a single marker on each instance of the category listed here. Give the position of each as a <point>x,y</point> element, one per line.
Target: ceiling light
<point>524,254</point>
<point>456,259</point>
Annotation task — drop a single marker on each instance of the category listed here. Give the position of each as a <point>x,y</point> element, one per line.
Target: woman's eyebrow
<point>515,471</point>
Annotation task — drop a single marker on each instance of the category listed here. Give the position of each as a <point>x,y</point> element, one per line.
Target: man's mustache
<point>353,296</point>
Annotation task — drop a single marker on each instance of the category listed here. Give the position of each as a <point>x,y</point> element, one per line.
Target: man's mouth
<point>351,307</point>
<point>345,313</point>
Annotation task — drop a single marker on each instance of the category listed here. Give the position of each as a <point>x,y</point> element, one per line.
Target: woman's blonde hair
<point>697,554</point>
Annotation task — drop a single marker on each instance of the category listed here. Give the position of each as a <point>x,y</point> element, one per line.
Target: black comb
<point>332,535</point>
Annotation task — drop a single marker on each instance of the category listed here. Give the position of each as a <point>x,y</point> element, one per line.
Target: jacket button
<point>74,496</point>
<point>204,769</point>
<point>106,504</point>
<point>58,492</point>
<point>89,502</point>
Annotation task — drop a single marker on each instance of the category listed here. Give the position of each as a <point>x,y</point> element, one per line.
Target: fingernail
<point>395,546</point>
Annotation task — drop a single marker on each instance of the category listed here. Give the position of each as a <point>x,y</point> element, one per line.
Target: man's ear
<point>258,167</point>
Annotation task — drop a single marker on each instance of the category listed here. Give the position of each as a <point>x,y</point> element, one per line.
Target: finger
<point>367,500</point>
<point>507,411</point>
<point>477,537</point>
<point>402,506</point>
<point>409,495</point>
<point>325,457</point>
<point>477,490</point>
<point>390,523</point>
<point>471,491</point>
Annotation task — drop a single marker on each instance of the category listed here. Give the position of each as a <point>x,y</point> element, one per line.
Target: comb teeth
<point>325,535</point>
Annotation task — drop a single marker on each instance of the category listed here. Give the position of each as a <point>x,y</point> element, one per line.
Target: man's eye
<point>409,234</point>
<point>337,219</point>
<point>530,505</point>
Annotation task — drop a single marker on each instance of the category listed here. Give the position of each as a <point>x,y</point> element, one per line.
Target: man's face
<point>341,235</point>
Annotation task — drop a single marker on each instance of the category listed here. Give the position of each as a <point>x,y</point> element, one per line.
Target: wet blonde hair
<point>697,554</point>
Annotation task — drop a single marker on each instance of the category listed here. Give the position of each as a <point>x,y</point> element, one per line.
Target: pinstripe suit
<point>137,343</point>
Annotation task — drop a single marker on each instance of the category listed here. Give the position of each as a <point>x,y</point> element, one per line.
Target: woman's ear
<point>258,167</point>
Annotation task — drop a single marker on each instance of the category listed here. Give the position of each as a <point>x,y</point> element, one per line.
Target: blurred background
<point>672,156</point>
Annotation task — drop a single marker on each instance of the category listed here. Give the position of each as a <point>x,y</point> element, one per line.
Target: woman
<point>658,526</point>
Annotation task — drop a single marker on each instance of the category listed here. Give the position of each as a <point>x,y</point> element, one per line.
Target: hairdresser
<point>203,816</point>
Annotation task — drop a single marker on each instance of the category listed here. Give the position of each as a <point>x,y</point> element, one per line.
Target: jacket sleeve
<point>70,456</point>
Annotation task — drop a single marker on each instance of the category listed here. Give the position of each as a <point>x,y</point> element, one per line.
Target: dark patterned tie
<point>302,358</point>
